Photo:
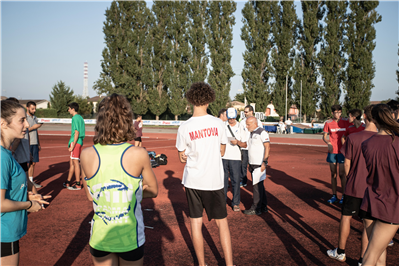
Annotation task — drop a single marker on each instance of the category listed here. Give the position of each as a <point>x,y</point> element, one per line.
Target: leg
<point>255,204</point>
<point>365,241</point>
<point>379,238</point>
<point>225,240</point>
<point>235,182</point>
<point>109,260</point>
<point>226,176</point>
<point>198,239</point>
<point>71,169</point>
<point>10,260</point>
<point>262,196</point>
<point>344,230</point>
<point>342,175</point>
<point>123,262</point>
<point>31,169</point>
<point>244,167</point>
<point>333,169</point>
<point>77,169</point>
<point>140,144</point>
<point>137,143</point>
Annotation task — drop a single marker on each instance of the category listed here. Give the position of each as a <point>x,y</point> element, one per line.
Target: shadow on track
<point>177,197</point>
<point>53,169</point>
<point>54,187</point>
<point>78,243</point>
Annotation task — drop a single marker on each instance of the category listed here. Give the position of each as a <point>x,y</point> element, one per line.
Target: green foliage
<point>284,29</point>
<point>240,97</point>
<point>46,113</point>
<point>197,38</point>
<point>85,107</point>
<point>61,95</point>
<point>220,22</point>
<point>125,65</point>
<point>397,78</point>
<point>179,74</point>
<point>332,55</point>
<point>255,33</point>
<point>360,46</point>
<point>307,59</point>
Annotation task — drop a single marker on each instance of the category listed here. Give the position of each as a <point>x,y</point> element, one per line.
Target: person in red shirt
<point>335,128</point>
<point>354,118</point>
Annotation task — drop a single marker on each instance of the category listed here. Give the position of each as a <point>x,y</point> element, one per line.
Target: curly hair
<point>114,121</point>
<point>200,93</point>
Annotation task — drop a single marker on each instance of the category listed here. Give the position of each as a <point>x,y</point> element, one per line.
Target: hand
<point>71,147</point>
<point>36,206</point>
<point>263,167</point>
<point>184,158</point>
<point>39,147</point>
<point>39,198</point>
<point>330,148</point>
<point>234,142</point>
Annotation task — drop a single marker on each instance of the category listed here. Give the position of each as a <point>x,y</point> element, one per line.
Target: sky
<point>43,43</point>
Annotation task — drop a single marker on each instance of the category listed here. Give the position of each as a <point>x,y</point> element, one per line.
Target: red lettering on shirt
<point>203,133</point>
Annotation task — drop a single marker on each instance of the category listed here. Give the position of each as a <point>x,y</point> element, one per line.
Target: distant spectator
<point>33,139</point>
<point>222,114</point>
<point>288,122</point>
<point>138,125</point>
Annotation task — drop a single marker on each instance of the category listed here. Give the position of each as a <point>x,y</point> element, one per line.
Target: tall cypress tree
<point>255,33</point>
<point>197,39</point>
<point>397,78</point>
<point>126,56</point>
<point>332,55</point>
<point>360,47</point>
<point>220,22</point>
<point>160,57</point>
<point>284,29</point>
<point>306,61</point>
<point>61,95</point>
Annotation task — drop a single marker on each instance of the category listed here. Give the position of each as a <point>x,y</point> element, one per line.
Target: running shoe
<point>332,253</point>
<point>341,201</point>
<point>243,185</point>
<point>252,212</point>
<point>390,243</point>
<point>77,186</point>
<point>333,199</point>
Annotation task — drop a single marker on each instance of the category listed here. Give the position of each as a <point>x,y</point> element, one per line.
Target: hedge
<point>46,113</point>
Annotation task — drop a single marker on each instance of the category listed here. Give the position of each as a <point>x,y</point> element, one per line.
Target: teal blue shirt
<point>13,180</point>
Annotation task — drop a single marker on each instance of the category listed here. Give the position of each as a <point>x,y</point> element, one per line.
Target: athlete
<point>355,119</point>
<point>356,172</point>
<point>201,143</point>
<point>381,198</point>
<point>222,114</point>
<point>118,177</point>
<point>335,128</point>
<point>138,125</point>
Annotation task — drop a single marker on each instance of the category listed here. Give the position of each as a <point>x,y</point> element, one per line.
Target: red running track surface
<point>298,229</point>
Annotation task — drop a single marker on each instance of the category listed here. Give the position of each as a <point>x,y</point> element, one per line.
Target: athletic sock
<point>31,178</point>
<point>361,260</point>
<point>340,251</point>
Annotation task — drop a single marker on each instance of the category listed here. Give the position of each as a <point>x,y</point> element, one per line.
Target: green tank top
<point>117,224</point>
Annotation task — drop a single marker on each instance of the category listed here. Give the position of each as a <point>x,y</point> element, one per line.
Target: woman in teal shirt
<point>14,203</point>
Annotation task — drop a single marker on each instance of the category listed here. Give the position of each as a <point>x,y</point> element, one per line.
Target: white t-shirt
<point>233,152</point>
<point>288,122</point>
<point>256,149</point>
<point>244,131</point>
<point>200,138</point>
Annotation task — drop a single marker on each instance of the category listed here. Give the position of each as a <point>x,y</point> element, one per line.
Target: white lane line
<point>296,144</point>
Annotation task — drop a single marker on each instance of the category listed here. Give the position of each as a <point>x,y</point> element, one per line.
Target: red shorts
<point>75,154</point>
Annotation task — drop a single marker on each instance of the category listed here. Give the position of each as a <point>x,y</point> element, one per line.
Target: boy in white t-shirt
<point>201,143</point>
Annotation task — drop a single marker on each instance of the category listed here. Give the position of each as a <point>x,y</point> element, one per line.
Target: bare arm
<point>347,165</point>
<point>343,139</point>
<point>182,156</point>
<point>75,140</point>
<point>330,147</point>
<point>150,184</point>
<point>222,149</point>
<point>36,126</point>
<point>266,156</point>
<point>8,205</point>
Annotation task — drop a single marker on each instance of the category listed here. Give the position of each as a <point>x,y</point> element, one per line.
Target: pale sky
<point>45,42</point>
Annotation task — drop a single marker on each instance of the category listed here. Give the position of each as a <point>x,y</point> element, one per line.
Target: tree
<point>284,27</point>
<point>197,39</point>
<point>397,78</point>
<point>360,46</point>
<point>332,55</point>
<point>85,107</point>
<point>255,33</point>
<point>306,61</point>
<point>61,95</point>
<point>160,57</point>
<point>240,97</point>
<point>125,65</point>
<point>220,22</point>
<point>179,74</point>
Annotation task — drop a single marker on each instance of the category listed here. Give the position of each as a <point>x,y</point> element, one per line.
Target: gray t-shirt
<point>33,134</point>
<point>22,153</point>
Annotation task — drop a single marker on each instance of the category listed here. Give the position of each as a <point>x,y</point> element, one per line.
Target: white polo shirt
<point>256,149</point>
<point>233,152</point>
<point>244,131</point>
<point>200,138</point>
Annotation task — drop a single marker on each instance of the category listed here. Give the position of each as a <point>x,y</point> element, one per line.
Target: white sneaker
<point>390,243</point>
<point>36,185</point>
<point>332,253</point>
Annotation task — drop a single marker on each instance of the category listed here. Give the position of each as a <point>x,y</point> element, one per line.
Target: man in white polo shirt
<point>258,154</point>
<point>201,143</point>
<point>232,158</point>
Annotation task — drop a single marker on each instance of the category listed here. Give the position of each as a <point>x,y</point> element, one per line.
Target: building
<point>95,100</point>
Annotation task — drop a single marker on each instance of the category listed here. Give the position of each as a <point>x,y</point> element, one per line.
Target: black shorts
<point>132,255</point>
<point>138,139</point>
<point>351,205</point>
<point>367,215</point>
<point>8,249</point>
<point>213,202</point>
<point>24,166</point>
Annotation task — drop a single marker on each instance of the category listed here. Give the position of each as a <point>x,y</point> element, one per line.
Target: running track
<point>298,229</point>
